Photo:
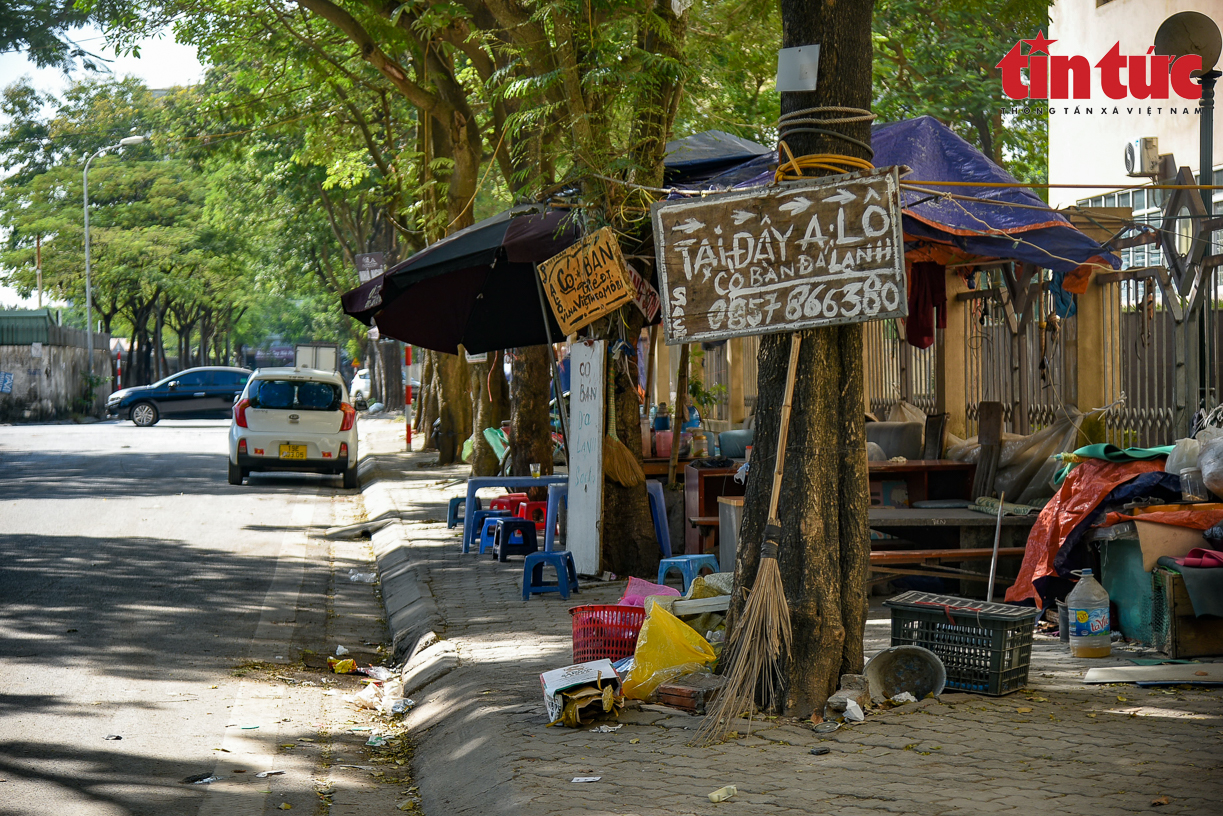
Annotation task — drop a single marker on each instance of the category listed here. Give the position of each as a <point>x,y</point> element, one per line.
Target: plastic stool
<point>509,501</point>
<point>488,532</point>
<point>453,519</point>
<point>533,574</point>
<point>689,566</point>
<point>534,511</point>
<point>477,523</point>
<point>503,539</point>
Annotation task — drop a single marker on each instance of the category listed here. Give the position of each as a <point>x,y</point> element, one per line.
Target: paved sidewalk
<point>483,745</point>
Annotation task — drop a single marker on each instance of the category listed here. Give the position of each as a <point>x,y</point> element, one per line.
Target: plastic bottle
<point>1090,633</point>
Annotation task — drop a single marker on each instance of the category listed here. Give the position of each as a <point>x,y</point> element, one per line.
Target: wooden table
<point>926,479</point>
<point>930,563</point>
<point>658,466</point>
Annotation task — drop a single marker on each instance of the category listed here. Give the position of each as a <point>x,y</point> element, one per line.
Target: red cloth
<point>1193,519</point>
<point>927,303</point>
<point>1079,495</point>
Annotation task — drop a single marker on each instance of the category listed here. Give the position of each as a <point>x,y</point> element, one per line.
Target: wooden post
<point>951,396</point>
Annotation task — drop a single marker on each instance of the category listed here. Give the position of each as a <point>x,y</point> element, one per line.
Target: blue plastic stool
<point>488,532</point>
<point>477,523</point>
<point>533,574</point>
<point>689,567</point>
<point>453,519</point>
<point>503,539</point>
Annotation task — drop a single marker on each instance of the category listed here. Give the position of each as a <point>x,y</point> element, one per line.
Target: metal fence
<point>897,371</point>
<point>1025,370</point>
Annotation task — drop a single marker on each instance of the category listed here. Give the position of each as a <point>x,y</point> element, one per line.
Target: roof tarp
<point>1010,223</point>
<point>702,155</point>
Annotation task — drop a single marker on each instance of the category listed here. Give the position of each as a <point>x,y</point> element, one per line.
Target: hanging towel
<point>927,303</point>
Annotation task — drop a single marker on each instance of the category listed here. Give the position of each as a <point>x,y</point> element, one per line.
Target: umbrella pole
<point>556,372</point>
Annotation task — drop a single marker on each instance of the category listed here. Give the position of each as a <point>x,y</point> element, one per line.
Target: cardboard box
<point>579,674</point>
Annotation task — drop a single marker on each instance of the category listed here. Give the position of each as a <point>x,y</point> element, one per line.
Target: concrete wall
<point>47,387</point>
<point>1090,149</point>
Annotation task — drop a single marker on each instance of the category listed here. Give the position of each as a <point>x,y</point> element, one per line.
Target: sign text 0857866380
<point>793,256</point>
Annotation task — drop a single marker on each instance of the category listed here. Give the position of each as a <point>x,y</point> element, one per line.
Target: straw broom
<point>619,463</point>
<point>759,647</point>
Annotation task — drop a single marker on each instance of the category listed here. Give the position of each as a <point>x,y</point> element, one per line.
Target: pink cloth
<point>1202,557</point>
<point>638,590</point>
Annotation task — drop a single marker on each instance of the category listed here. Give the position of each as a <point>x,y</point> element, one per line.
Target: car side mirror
<point>237,397</point>
<point>174,384</point>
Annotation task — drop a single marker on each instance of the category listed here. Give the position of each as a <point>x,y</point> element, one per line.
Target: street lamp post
<point>125,142</point>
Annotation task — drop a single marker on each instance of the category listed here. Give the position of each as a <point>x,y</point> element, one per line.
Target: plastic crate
<point>985,647</point>
<point>605,631</point>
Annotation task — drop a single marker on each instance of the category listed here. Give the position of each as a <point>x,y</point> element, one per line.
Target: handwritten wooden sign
<point>585,500</point>
<point>586,281</point>
<point>801,254</point>
<point>644,295</point>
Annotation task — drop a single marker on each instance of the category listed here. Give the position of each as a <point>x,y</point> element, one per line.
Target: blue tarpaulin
<point>1031,233</point>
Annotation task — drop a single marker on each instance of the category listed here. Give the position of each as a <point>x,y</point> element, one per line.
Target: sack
<point>638,590</point>
<point>666,648</point>
<point>1210,462</point>
<point>1184,456</point>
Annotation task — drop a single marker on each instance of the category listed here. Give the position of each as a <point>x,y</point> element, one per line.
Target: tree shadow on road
<point>132,606</point>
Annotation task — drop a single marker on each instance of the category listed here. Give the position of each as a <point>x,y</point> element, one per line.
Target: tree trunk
<point>432,406</point>
<point>390,374</point>
<point>487,408</point>
<point>629,544</point>
<point>453,406</point>
<point>530,425</point>
<point>424,398</point>
<point>825,544</point>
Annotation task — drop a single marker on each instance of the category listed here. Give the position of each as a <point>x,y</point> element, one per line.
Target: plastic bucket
<point>905,668</point>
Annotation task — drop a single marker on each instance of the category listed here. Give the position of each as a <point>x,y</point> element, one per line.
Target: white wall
<point>1087,149</point>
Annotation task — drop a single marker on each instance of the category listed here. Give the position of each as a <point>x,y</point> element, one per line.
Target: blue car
<point>194,393</point>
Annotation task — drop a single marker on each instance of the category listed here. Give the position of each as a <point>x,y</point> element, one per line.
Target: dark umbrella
<point>477,287</point>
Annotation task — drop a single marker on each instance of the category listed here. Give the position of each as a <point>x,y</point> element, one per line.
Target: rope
<point>802,121</point>
<point>792,169</point>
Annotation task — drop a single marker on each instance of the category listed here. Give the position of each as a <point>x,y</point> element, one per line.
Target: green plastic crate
<point>985,647</point>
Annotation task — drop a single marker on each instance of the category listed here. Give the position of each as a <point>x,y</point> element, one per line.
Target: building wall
<point>1090,149</point>
<point>48,386</point>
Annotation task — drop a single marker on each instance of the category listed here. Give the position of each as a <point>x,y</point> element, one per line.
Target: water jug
<point>1090,633</point>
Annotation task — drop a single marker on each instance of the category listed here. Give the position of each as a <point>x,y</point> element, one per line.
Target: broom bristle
<point>619,463</point>
<point>755,655</point>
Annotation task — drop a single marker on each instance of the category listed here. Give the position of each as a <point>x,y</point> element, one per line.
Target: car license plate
<point>292,451</point>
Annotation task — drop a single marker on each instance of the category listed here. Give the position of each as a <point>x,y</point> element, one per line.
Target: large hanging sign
<point>586,281</point>
<point>585,501</point>
<point>793,256</point>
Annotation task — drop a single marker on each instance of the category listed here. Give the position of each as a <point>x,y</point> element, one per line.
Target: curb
<point>411,611</point>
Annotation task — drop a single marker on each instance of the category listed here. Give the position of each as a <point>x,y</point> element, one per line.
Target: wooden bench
<point>930,563</point>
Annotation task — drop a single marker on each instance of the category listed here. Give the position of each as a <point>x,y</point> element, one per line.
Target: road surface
<point>140,597</point>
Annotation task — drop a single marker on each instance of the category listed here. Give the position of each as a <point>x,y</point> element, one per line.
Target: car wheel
<point>236,474</point>
<point>350,478</point>
<point>145,414</point>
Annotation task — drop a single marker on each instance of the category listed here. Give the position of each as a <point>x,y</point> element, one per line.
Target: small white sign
<point>36,349</point>
<point>586,456</point>
<point>482,357</point>
<point>798,68</point>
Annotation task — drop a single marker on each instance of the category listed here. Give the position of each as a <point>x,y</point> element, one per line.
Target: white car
<point>298,419</point>
<point>360,385</point>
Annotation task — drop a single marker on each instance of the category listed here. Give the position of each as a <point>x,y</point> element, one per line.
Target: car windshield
<point>296,394</point>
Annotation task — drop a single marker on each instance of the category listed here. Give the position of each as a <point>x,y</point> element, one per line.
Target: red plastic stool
<point>509,501</point>
<point>534,511</point>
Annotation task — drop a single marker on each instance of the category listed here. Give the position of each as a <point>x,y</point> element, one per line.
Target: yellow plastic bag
<point>665,644</point>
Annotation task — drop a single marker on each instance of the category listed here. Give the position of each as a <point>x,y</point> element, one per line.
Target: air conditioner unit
<point>1142,157</point>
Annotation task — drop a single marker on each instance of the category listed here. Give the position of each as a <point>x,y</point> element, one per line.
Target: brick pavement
<point>483,745</point>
